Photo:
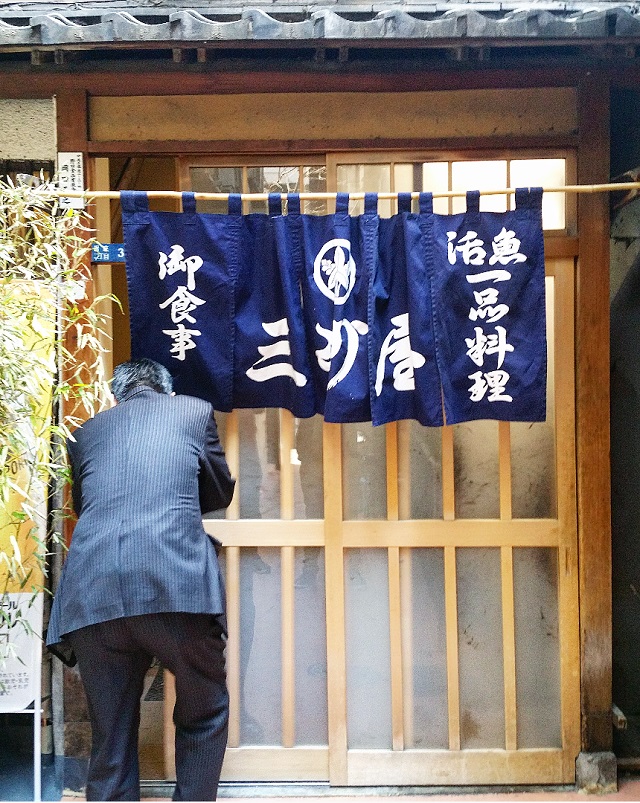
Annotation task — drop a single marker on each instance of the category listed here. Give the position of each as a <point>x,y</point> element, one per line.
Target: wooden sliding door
<point>402,600</point>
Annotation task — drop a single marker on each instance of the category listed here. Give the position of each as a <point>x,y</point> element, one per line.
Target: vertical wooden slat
<point>287,580</point>
<point>99,179</point>
<point>404,470</point>
<point>406,602</point>
<point>509,649</point>
<point>391,431</point>
<point>232,555</point>
<point>448,482</point>
<point>287,559</point>
<point>504,452</point>
<point>301,188</point>
<point>451,616</point>
<point>169,732</point>
<point>395,614</point>
<point>335,601</point>
<point>334,578</point>
<point>406,589</point>
<point>395,640</point>
<point>246,206</point>
<point>508,623</point>
<point>287,443</point>
<point>568,619</point>
<point>232,453</point>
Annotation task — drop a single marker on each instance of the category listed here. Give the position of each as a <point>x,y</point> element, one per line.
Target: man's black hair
<point>137,373</point>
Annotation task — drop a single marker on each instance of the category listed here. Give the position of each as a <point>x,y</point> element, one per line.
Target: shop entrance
<point>403,602</point>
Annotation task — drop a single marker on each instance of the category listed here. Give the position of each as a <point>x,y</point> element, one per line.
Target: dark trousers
<point>113,658</point>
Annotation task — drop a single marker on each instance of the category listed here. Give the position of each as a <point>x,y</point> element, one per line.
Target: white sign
<point>20,652</point>
<point>71,178</point>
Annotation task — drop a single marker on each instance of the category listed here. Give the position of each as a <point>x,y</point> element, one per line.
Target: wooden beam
<point>592,412</point>
<point>274,146</point>
<point>26,82</point>
<point>72,120</point>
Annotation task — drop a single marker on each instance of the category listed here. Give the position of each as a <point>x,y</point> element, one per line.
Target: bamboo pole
<point>354,196</point>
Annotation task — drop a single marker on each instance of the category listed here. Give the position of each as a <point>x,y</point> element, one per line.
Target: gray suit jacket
<point>143,474</point>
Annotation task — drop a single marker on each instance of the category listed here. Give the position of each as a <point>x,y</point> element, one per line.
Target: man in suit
<point>141,579</point>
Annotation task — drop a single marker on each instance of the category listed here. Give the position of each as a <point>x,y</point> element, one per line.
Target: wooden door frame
<point>592,352</point>
<point>593,415</point>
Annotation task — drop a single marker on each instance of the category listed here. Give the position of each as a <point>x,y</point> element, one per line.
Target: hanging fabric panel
<point>355,318</point>
<point>181,271</point>
<point>271,367</point>
<point>404,377</point>
<point>487,277</point>
<point>335,256</point>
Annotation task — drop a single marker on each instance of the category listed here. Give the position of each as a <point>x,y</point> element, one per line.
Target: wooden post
<point>592,409</point>
<point>72,121</point>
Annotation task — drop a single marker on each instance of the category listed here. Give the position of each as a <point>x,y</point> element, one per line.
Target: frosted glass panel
<point>307,469</point>
<point>364,472</point>
<point>419,177</point>
<point>260,653</point>
<point>314,179</point>
<point>419,471</point>
<point>215,179</point>
<point>310,647</point>
<point>365,178</point>
<point>264,178</point>
<point>480,176</point>
<point>480,648</point>
<point>435,178</point>
<point>404,178</point>
<point>259,480</point>
<point>424,649</point>
<point>533,455</point>
<point>533,483</point>
<point>535,579</point>
<point>271,178</point>
<point>368,648</point>
<point>475,454</point>
<point>542,173</point>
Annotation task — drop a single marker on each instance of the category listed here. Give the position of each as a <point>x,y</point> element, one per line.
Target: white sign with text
<point>20,651</point>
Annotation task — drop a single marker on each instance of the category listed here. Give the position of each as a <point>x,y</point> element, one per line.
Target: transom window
<point>350,173</point>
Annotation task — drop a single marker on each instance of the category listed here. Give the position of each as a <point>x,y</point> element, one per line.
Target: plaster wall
<point>27,129</point>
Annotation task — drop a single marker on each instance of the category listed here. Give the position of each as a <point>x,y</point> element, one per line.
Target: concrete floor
<point>628,789</point>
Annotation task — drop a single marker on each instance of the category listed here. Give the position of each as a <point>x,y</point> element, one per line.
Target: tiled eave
<point>96,25</point>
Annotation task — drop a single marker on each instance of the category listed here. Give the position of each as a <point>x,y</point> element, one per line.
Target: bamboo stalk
<point>354,196</point>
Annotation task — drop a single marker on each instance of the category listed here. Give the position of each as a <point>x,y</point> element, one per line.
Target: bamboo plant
<point>51,372</point>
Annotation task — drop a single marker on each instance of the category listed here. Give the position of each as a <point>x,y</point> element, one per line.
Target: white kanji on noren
<point>182,340</point>
<point>506,248</point>
<point>396,347</point>
<point>492,381</point>
<point>182,303</point>
<point>176,261</point>
<point>470,246</point>
<point>333,337</point>
<point>488,308</point>
<point>483,344</point>
<point>276,357</point>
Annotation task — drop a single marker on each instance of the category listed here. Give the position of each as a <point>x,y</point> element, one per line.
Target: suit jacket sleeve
<point>214,480</point>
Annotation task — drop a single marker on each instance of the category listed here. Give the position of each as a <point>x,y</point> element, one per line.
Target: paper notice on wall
<point>20,650</point>
<point>71,178</point>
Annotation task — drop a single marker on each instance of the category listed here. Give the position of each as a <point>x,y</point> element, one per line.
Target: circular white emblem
<point>334,270</point>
